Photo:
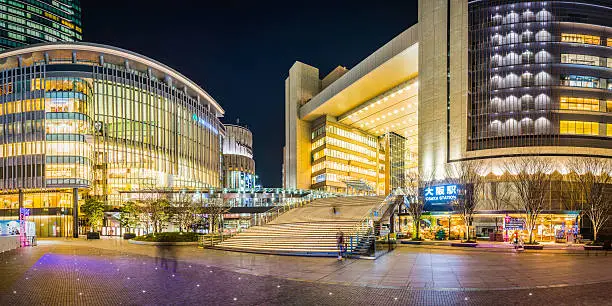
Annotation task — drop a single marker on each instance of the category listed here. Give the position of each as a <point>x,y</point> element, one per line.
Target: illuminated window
<point>609,106</point>
<point>572,103</point>
<point>609,129</point>
<point>580,81</point>
<point>582,59</point>
<point>579,127</point>
<point>581,39</point>
<point>609,42</point>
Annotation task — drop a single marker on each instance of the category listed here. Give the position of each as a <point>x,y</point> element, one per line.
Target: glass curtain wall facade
<point>238,163</point>
<point>25,22</point>
<point>90,120</point>
<point>539,73</point>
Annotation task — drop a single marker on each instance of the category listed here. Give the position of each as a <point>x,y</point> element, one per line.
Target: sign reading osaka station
<point>441,194</point>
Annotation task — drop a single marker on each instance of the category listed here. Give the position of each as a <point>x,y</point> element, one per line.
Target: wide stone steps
<point>308,230</point>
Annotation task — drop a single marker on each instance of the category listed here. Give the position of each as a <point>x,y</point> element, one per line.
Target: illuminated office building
<point>489,81</point>
<point>483,80</point>
<point>91,120</point>
<point>26,22</point>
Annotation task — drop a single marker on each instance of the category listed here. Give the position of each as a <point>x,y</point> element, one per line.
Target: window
<point>581,39</point>
<point>582,59</point>
<point>580,81</point>
<point>579,127</point>
<point>609,129</point>
<point>609,42</point>
<point>572,103</point>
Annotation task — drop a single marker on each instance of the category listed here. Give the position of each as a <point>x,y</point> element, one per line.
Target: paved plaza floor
<point>113,272</point>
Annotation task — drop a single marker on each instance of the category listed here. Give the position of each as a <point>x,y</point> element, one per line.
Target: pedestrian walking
<point>340,244</point>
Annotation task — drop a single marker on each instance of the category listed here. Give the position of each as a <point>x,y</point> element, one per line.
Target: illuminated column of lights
<point>538,74</point>
<point>511,74</point>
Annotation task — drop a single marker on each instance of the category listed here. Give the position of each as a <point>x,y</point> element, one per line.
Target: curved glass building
<point>238,163</point>
<point>26,22</point>
<point>541,74</point>
<point>83,119</point>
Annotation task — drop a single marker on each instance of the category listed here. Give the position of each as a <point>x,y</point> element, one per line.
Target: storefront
<point>50,212</point>
<point>559,227</point>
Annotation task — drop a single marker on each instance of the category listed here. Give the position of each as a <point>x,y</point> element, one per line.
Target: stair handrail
<point>360,229</point>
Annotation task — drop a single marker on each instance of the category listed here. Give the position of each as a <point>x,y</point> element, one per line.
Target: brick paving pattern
<point>81,274</point>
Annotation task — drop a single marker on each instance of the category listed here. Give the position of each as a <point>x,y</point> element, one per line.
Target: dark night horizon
<point>241,53</point>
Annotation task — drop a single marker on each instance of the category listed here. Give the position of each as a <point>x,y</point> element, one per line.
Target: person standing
<point>340,243</point>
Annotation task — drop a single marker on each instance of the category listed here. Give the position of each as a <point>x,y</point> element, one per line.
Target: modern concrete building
<point>340,129</point>
<point>490,81</point>
<point>26,22</point>
<point>80,119</point>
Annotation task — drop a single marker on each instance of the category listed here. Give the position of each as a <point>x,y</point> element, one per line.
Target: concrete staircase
<point>307,230</point>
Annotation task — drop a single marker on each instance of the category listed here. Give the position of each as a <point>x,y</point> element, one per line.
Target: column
<point>20,199</point>
<point>75,213</point>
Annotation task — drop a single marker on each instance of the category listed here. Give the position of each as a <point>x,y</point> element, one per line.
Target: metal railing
<point>364,232</point>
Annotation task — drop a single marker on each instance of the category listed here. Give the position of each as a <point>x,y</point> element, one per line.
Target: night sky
<point>240,53</point>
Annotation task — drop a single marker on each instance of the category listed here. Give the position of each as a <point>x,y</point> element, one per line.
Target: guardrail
<point>213,239</point>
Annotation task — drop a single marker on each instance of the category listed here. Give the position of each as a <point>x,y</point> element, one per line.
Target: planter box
<point>411,242</point>
<point>593,247</point>
<point>129,236</point>
<point>162,243</point>
<point>464,244</point>
<point>533,247</point>
<point>93,235</point>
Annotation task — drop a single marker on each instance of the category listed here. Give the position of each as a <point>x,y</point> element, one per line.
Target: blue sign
<point>441,194</point>
<point>514,223</point>
<point>204,123</point>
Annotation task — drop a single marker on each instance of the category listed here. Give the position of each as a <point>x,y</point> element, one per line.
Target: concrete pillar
<point>21,220</point>
<point>20,199</point>
<point>75,213</point>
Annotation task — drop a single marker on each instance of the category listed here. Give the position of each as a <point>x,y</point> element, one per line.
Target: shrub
<point>129,235</point>
<point>169,237</point>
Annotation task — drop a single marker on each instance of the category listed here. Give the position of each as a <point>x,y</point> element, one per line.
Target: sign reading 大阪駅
<point>441,194</point>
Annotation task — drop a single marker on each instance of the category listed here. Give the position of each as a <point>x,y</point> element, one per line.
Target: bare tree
<point>531,179</point>
<point>215,208</point>
<point>415,183</point>
<point>158,213</point>
<point>467,175</point>
<point>498,196</point>
<point>185,210</point>
<point>590,179</point>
